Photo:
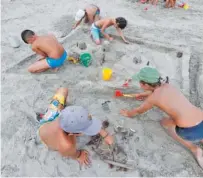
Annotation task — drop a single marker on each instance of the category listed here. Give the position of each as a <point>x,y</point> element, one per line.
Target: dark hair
<point>121,22</point>
<point>157,83</point>
<point>27,34</point>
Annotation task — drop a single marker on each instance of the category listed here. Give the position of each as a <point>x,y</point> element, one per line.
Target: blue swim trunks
<point>97,12</point>
<point>193,134</point>
<point>95,32</point>
<point>53,63</point>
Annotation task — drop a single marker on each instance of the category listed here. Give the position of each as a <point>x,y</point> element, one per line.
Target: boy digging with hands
<point>98,28</point>
<point>184,122</point>
<point>67,129</point>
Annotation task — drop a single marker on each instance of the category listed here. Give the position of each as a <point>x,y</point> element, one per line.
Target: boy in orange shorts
<point>68,129</point>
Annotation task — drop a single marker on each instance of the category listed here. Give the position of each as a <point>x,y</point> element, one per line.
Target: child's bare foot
<point>55,69</point>
<point>199,156</point>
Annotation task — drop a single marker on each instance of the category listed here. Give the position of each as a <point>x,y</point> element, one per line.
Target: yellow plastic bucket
<point>107,73</point>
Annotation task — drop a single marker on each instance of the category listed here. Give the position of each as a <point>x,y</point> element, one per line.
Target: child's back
<point>52,52</point>
<point>49,45</point>
<point>105,22</point>
<point>98,28</point>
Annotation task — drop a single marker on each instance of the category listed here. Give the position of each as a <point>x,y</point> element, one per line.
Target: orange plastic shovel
<point>119,93</point>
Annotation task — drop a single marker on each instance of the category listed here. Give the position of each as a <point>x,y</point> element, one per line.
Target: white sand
<point>156,34</point>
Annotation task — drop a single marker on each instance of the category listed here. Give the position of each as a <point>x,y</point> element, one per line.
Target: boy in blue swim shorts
<point>98,29</point>
<point>52,52</point>
<point>184,122</point>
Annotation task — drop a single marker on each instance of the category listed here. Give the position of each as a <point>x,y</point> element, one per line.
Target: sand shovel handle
<point>128,96</point>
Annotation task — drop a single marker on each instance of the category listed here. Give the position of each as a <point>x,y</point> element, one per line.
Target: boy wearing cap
<point>63,128</point>
<point>185,121</point>
<point>91,14</point>
<point>98,28</point>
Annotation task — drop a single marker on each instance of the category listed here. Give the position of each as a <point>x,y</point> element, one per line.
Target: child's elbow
<point>65,151</point>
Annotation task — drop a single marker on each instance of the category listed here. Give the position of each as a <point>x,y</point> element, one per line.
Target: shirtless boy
<point>185,121</point>
<point>63,127</point>
<point>91,14</point>
<point>98,28</point>
<point>52,52</point>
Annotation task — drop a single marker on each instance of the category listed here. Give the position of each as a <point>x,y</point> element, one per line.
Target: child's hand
<point>109,140</point>
<point>84,158</point>
<point>110,39</point>
<point>140,98</point>
<point>126,83</point>
<point>125,113</point>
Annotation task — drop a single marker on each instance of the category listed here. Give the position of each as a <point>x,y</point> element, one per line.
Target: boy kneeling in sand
<point>98,28</point>
<point>67,129</point>
<point>91,14</point>
<point>52,52</point>
<point>185,121</point>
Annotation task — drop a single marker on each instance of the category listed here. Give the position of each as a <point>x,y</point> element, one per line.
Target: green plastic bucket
<point>85,59</point>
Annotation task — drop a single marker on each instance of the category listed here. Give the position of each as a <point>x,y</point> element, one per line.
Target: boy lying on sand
<point>98,28</point>
<point>91,14</point>
<point>52,52</point>
<point>64,128</point>
<point>185,121</point>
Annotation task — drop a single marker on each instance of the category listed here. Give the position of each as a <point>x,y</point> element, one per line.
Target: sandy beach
<point>156,36</point>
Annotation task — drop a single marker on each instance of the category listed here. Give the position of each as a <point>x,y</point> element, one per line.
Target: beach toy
<point>106,73</point>
<point>186,6</point>
<point>73,60</point>
<point>39,116</point>
<point>73,57</point>
<point>126,84</point>
<point>85,59</point>
<point>119,93</point>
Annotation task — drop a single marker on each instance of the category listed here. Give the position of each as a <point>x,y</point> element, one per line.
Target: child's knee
<point>31,69</point>
<point>98,42</point>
